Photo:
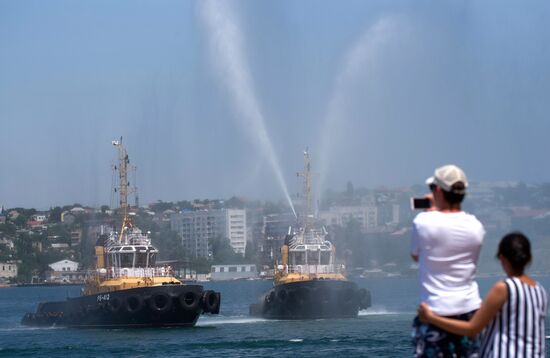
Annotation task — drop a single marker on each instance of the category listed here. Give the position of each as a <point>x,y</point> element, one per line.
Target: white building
<point>199,228</point>
<point>366,216</point>
<point>65,271</point>
<point>64,265</point>
<point>8,270</point>
<point>236,229</point>
<point>39,217</point>
<point>232,272</point>
<point>60,245</point>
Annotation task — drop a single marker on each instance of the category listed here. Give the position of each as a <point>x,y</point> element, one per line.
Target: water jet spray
<point>357,59</point>
<point>227,55</point>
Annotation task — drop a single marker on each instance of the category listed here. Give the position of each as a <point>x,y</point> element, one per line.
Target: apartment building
<point>199,228</point>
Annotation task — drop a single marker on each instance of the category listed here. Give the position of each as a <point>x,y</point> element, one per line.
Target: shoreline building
<point>65,271</point>
<point>366,216</point>
<point>198,228</point>
<point>236,229</point>
<point>8,271</point>
<point>233,272</point>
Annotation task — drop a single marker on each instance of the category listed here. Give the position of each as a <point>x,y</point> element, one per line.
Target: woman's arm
<point>488,310</point>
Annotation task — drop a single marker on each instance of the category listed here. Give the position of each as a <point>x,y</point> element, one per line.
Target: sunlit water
<point>381,331</point>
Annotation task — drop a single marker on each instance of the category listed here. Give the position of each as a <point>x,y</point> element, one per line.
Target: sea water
<point>381,331</point>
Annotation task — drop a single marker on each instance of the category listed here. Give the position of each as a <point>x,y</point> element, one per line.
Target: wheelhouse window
<point>152,259</point>
<point>297,258</point>
<point>312,257</point>
<point>325,258</point>
<point>126,260</point>
<point>141,260</point>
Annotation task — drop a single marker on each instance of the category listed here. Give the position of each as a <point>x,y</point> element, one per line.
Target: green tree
<point>20,221</point>
<point>223,253</point>
<point>184,205</point>
<point>201,265</point>
<point>5,253</point>
<point>55,215</point>
<point>161,206</point>
<point>8,228</point>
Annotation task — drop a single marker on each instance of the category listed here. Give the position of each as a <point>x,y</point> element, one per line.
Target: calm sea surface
<point>381,331</point>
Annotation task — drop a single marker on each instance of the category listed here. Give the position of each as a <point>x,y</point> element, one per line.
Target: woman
<point>513,312</point>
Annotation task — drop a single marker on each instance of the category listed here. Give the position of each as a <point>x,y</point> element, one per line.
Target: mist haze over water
<point>380,92</point>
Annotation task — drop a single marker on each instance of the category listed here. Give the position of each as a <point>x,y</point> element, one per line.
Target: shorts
<point>430,341</point>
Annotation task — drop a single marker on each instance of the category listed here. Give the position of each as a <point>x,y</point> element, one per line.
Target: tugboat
<point>127,288</point>
<point>308,283</point>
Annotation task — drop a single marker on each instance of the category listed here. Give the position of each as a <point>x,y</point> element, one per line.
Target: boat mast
<point>123,161</point>
<point>306,174</point>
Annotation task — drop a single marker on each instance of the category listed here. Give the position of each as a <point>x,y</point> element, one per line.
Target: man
<point>446,243</point>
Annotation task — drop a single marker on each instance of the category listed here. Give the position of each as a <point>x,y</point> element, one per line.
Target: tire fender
<point>189,300</point>
<point>114,305</point>
<point>364,298</point>
<point>211,301</point>
<point>270,297</point>
<point>160,302</point>
<point>134,303</point>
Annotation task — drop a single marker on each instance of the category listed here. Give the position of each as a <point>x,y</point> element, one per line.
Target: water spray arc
<point>358,59</point>
<point>227,55</point>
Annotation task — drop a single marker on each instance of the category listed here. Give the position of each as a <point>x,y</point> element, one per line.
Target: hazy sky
<point>381,92</point>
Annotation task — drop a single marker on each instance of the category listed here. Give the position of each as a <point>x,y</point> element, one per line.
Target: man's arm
<point>414,249</point>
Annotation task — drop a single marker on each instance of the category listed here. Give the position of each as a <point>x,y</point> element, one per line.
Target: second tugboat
<point>309,284</point>
<point>127,289</point>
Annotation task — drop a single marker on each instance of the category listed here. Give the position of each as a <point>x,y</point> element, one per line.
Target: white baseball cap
<point>448,175</point>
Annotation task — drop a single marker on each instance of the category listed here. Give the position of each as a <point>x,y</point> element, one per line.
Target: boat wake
<point>229,320</point>
<point>23,328</point>
<point>377,311</point>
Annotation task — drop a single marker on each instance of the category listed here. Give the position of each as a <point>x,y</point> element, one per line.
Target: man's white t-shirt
<point>447,246</point>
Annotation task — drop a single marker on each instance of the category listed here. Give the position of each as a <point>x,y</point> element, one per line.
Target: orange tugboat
<point>308,283</point>
<point>127,288</point>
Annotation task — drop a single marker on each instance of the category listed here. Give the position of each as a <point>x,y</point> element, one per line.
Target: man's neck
<point>448,208</point>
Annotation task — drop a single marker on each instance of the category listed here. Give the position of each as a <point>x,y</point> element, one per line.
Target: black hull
<point>157,306</point>
<point>312,300</point>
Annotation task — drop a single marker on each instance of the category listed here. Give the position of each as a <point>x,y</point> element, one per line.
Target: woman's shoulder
<point>516,282</point>
<point>501,286</point>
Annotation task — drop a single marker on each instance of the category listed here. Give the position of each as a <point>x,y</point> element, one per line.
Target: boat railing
<point>145,272</point>
<point>315,269</point>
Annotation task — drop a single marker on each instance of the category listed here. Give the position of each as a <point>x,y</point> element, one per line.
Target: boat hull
<point>312,299</point>
<point>156,306</point>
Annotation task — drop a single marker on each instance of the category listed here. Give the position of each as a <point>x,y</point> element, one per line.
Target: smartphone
<point>420,203</point>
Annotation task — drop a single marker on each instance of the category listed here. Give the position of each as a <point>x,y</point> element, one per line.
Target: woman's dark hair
<point>516,248</point>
